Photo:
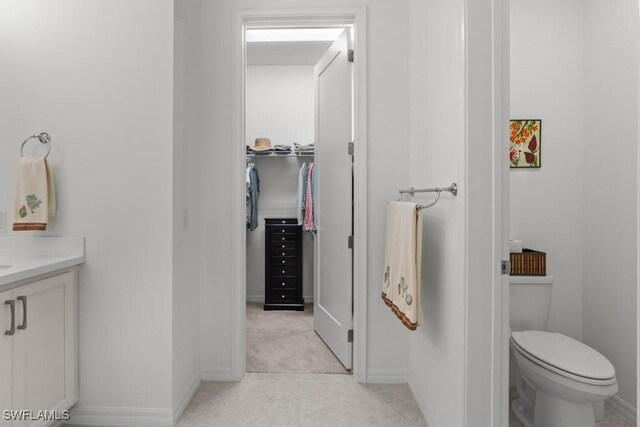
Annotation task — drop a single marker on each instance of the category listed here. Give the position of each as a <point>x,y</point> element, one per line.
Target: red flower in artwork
<point>513,155</point>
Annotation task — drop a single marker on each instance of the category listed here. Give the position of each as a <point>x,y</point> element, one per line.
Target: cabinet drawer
<point>282,260</point>
<point>283,252</point>
<point>281,221</point>
<point>283,295</point>
<point>276,246</point>
<point>283,237</point>
<point>284,270</point>
<point>282,283</point>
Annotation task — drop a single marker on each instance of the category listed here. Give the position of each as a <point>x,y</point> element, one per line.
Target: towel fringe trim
<point>29,226</point>
<point>403,317</point>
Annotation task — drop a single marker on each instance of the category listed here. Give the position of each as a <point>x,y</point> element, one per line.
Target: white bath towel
<point>402,259</point>
<point>35,199</point>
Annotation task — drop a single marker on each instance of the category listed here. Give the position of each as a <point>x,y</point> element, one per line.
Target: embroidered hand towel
<point>402,260</point>
<point>35,199</point>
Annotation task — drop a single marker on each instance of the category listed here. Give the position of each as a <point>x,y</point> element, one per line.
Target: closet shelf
<point>252,155</point>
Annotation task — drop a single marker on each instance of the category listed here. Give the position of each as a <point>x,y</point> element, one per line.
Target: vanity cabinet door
<point>45,346</point>
<point>5,356</point>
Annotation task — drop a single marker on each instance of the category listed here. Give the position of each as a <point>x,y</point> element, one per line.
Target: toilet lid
<point>565,354</point>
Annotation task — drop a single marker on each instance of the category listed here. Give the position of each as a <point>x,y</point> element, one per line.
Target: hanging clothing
<point>308,211</point>
<point>402,262</point>
<point>302,179</point>
<point>253,189</point>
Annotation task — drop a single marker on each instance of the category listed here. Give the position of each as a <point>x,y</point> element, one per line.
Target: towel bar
<point>453,189</point>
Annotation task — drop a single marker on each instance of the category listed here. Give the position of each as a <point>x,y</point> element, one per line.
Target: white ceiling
<point>286,53</point>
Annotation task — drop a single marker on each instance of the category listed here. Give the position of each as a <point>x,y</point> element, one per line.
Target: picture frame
<point>525,143</point>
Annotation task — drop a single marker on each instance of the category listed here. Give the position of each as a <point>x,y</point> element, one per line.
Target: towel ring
<point>43,137</point>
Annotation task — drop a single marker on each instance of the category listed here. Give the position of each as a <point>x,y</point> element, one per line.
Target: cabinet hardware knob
<point>282,283</point>
<point>283,230</point>
<point>12,305</point>
<point>282,246</point>
<point>283,262</point>
<point>282,253</point>
<point>283,238</point>
<point>282,271</point>
<point>282,296</point>
<point>284,222</point>
<point>24,312</point>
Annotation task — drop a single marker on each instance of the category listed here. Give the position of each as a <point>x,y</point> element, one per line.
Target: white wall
<point>98,77</point>
<point>388,111</point>
<point>436,360</point>
<point>610,192</point>
<point>187,192</point>
<point>547,50</point>
<point>280,106</point>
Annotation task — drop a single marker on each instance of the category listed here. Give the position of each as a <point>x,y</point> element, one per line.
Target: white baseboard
<point>182,405</point>
<point>260,298</point>
<point>125,417</point>
<point>216,373</point>
<point>387,376</point>
<point>623,408</point>
<point>422,405</point>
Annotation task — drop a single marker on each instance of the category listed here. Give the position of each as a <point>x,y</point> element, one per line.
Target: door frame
<point>296,17</point>
<point>487,93</point>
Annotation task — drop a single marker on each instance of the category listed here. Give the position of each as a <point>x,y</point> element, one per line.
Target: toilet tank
<point>529,302</point>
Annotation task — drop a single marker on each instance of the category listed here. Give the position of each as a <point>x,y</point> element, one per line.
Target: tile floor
<point>265,400</point>
<point>612,419</point>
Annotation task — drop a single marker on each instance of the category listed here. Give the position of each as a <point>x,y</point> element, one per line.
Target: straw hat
<point>262,144</point>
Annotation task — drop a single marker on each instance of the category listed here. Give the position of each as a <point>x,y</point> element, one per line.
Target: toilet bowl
<point>560,380</point>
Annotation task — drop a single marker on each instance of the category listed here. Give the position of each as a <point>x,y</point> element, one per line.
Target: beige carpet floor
<point>285,342</point>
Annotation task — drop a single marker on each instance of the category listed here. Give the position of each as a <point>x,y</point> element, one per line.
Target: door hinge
<point>350,335</point>
<point>350,242</point>
<point>505,267</point>
<point>350,148</point>
<point>350,55</point>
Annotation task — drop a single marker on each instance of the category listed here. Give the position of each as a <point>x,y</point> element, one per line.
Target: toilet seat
<point>564,356</point>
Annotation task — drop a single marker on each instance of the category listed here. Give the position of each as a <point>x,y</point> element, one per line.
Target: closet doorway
<point>299,133</point>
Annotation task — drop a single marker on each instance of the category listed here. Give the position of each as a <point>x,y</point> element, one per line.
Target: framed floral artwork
<point>524,150</point>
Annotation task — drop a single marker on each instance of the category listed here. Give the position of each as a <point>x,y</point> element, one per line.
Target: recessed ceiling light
<point>293,34</point>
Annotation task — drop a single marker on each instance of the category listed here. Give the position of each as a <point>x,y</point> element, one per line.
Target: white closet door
<point>333,295</point>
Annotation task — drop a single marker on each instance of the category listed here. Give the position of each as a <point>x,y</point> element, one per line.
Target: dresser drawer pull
<point>283,297</point>
<point>283,230</point>
<point>282,255</point>
<point>283,262</point>
<point>284,284</point>
<point>283,238</point>
<point>284,222</point>
<point>282,271</point>
<point>282,246</point>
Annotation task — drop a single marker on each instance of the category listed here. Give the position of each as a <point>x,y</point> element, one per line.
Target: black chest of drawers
<point>283,264</point>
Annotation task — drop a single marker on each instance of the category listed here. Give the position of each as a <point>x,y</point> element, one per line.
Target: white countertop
<point>25,257</point>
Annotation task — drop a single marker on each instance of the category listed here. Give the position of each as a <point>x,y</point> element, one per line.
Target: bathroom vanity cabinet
<point>39,346</point>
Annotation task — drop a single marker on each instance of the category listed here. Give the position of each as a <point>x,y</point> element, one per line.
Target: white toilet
<point>561,382</point>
